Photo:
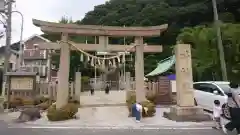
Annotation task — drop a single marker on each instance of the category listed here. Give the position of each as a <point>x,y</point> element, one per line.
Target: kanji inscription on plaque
<point>23,83</point>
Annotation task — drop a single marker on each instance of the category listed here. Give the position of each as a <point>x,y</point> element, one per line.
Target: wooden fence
<point>50,90</point>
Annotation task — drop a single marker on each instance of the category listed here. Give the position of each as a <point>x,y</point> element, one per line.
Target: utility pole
<point>219,42</point>
<point>20,52</point>
<point>8,44</point>
<point>8,36</point>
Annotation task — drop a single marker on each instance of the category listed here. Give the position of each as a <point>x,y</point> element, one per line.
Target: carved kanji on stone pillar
<point>185,110</point>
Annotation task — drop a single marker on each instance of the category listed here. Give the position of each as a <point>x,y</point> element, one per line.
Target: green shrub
<point>85,79</point>
<point>27,101</point>
<point>152,98</point>
<point>44,106</point>
<point>66,112</point>
<point>151,108</point>
<point>14,102</point>
<point>18,101</point>
<point>24,101</point>
<point>131,99</point>
<point>73,101</point>
<point>40,99</point>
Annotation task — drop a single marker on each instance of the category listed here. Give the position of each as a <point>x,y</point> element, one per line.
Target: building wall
<point>29,44</point>
<point>36,60</point>
<point>31,50</point>
<point>12,61</point>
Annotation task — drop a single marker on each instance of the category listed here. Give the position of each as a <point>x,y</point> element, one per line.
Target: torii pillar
<point>139,70</point>
<point>63,85</point>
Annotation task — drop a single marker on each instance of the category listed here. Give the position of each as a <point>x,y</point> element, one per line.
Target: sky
<point>47,10</point>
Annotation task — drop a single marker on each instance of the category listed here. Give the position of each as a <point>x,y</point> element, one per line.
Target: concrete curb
<point>97,126</point>
<point>103,105</point>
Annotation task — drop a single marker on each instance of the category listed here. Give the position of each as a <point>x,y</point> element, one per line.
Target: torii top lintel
<point>95,30</point>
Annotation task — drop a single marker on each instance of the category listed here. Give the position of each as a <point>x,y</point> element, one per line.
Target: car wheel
<point>225,111</point>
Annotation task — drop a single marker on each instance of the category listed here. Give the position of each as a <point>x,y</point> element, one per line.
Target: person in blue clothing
<point>137,109</point>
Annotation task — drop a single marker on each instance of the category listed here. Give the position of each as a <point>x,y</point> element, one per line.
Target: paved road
<point>8,131</point>
<point>106,132</point>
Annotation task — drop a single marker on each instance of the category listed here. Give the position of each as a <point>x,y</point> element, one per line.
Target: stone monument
<point>23,83</point>
<point>78,85</point>
<point>185,110</point>
<point>1,104</point>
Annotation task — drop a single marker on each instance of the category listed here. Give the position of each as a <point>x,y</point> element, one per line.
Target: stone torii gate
<point>103,33</point>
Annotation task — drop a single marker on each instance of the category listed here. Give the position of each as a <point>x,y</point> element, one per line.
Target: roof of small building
<point>163,66</point>
<point>15,46</point>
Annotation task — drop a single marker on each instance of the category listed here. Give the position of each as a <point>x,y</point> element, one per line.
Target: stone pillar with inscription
<point>139,70</point>
<point>1,104</point>
<point>185,110</point>
<point>103,42</point>
<point>78,85</point>
<point>63,74</point>
<point>184,78</point>
<point>127,82</point>
<point>3,89</point>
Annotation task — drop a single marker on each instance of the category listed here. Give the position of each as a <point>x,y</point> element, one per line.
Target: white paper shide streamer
<point>92,62</point>
<point>118,59</point>
<point>110,63</point>
<point>82,57</point>
<point>123,58</point>
<point>114,63</point>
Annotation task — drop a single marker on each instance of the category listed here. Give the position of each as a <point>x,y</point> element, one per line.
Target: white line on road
<point>99,127</point>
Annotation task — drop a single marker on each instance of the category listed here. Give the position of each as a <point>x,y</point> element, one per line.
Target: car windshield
<point>226,88</point>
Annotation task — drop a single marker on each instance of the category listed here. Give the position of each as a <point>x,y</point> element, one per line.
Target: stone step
<point>114,98</point>
<point>102,105</point>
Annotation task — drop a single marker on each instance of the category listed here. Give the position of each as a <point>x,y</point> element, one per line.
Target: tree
<point>231,41</point>
<point>178,14</point>
<point>204,50</point>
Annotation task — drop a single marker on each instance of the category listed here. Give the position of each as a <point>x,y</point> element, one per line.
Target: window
<point>196,86</point>
<point>11,65</point>
<point>43,62</point>
<point>226,88</point>
<point>31,53</point>
<point>206,87</point>
<point>41,53</point>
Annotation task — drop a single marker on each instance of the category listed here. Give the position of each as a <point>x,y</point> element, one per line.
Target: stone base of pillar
<point>1,104</point>
<point>191,114</point>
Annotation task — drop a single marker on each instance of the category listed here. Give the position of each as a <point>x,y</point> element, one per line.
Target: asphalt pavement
<point>7,130</point>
